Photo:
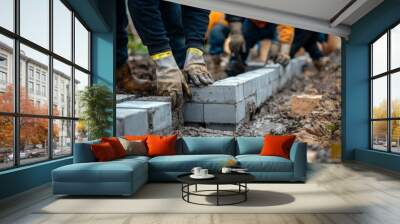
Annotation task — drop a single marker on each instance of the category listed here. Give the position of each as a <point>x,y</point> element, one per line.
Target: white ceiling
<point>316,15</point>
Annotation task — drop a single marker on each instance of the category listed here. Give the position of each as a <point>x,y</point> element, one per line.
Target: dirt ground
<point>320,128</point>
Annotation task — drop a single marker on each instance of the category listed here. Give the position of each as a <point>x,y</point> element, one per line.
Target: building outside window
<point>385,91</point>
<point>59,127</point>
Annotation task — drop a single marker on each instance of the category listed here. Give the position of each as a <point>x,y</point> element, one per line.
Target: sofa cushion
<point>112,171</point>
<point>83,152</point>
<point>185,163</point>
<point>161,145</point>
<point>103,152</point>
<point>206,145</point>
<point>116,145</point>
<point>249,145</point>
<point>257,163</point>
<point>277,145</point>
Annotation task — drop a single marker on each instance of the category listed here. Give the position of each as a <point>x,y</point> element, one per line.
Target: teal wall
<point>355,83</point>
<point>99,15</point>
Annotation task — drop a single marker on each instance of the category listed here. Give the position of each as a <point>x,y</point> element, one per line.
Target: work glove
<point>237,42</point>
<point>170,80</point>
<point>283,57</point>
<point>195,68</point>
<point>128,83</point>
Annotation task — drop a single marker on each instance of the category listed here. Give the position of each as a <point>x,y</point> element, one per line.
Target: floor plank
<point>376,190</point>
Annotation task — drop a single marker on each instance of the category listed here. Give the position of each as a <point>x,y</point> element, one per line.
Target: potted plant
<point>96,103</point>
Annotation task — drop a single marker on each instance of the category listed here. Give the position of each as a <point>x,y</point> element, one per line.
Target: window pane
<point>34,72</point>
<point>81,131</point>
<point>33,139</point>
<point>81,82</point>
<point>35,21</point>
<point>395,94</point>
<point>395,47</point>
<point>62,89</point>
<point>379,97</point>
<point>62,138</point>
<point>6,74</point>
<point>62,29</point>
<point>6,142</point>
<point>379,55</point>
<point>7,14</point>
<point>379,135</point>
<point>395,138</point>
<point>81,45</point>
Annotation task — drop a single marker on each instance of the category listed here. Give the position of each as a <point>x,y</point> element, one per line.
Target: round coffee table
<point>238,179</point>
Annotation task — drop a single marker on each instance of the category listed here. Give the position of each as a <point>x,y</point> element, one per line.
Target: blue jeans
<point>166,26</point>
<point>216,39</point>
<point>308,40</point>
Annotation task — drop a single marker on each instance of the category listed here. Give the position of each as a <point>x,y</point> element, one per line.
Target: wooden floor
<point>378,189</point>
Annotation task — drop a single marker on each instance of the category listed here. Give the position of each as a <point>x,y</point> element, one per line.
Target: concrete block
<point>222,91</point>
<point>125,97</point>
<point>193,112</point>
<point>159,113</point>
<point>132,122</point>
<point>224,113</point>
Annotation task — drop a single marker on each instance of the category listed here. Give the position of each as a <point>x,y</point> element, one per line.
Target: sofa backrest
<point>206,145</point>
<point>249,145</point>
<point>83,152</point>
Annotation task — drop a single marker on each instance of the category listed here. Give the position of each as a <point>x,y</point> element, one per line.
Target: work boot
<point>321,64</point>
<point>283,56</point>
<point>195,68</point>
<point>129,83</point>
<point>170,80</point>
<point>215,67</point>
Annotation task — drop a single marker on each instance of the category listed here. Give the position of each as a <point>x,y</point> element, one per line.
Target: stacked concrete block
<point>227,101</point>
<point>138,116</point>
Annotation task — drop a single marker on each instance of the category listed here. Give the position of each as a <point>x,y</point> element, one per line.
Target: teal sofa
<point>125,176</point>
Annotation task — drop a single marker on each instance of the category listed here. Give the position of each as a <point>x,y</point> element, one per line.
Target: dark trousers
<point>166,26</point>
<point>216,39</point>
<point>308,40</point>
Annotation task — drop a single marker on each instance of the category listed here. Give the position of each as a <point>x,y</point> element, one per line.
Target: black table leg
<point>195,188</point>
<point>217,194</point>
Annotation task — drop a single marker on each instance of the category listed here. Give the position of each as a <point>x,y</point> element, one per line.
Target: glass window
<point>62,72</point>
<point>34,21</point>
<point>395,95</point>
<point>6,73</point>
<point>40,62</point>
<point>81,45</point>
<point>379,133</point>
<point>62,137</point>
<point>379,98</point>
<point>395,47</point>
<point>379,56</point>
<point>6,142</point>
<point>7,14</point>
<point>62,29</point>
<point>33,139</point>
<point>81,82</point>
<point>395,138</point>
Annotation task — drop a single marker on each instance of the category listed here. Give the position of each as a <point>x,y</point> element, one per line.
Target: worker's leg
<point>126,81</point>
<point>195,23</point>
<point>216,39</point>
<point>172,16</point>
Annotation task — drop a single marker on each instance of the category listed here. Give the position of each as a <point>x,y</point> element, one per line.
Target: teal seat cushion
<point>112,171</point>
<point>257,163</point>
<point>185,163</point>
<point>249,145</point>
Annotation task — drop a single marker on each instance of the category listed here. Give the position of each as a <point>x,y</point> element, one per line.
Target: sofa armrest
<point>83,152</point>
<point>298,155</point>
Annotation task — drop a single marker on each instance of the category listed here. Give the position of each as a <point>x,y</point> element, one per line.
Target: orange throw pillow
<point>277,145</point>
<point>103,152</point>
<point>116,145</point>
<point>161,145</point>
<point>135,137</point>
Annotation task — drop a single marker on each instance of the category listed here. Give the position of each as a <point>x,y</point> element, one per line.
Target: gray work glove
<point>195,68</point>
<point>283,57</point>
<point>170,80</point>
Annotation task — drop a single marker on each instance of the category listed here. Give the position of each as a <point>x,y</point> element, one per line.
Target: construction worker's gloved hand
<point>283,57</point>
<point>195,68</point>
<point>128,83</point>
<point>170,80</point>
<point>237,43</point>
